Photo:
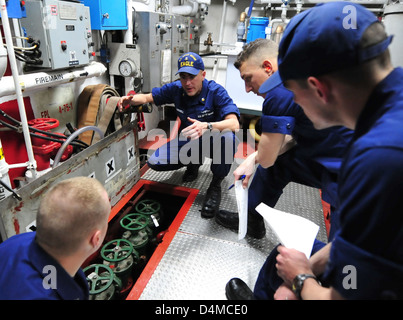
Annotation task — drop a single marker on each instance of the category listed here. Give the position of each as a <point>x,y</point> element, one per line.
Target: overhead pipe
<point>31,164</point>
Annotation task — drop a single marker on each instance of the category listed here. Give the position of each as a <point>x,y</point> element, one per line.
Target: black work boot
<point>212,200</point>
<point>237,289</point>
<point>191,173</point>
<point>230,220</point>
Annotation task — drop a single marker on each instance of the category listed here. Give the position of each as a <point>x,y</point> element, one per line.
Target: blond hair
<point>69,211</point>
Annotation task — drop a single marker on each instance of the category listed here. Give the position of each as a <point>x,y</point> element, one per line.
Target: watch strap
<point>298,283</point>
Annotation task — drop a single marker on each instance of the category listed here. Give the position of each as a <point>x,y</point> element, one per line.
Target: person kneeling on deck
<point>208,120</point>
<point>71,225</point>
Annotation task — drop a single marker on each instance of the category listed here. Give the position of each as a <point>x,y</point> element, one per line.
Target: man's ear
<point>267,66</point>
<point>96,239</point>
<point>320,87</point>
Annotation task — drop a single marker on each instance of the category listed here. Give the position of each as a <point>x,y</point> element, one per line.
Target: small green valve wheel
<point>134,222</point>
<point>148,206</point>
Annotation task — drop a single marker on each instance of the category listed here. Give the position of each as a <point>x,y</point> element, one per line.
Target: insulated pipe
<point>39,80</point>
<point>71,138</point>
<point>31,166</point>
<point>223,15</point>
<point>186,10</point>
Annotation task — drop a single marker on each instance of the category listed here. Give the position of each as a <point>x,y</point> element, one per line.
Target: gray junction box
<point>63,29</point>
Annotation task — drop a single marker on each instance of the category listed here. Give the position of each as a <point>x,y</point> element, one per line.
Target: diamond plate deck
<point>203,256</point>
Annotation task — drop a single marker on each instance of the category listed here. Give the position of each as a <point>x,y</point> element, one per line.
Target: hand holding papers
<point>293,231</point>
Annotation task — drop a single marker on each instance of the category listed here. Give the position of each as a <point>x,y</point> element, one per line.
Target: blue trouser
<point>268,280</point>
<point>179,152</point>
<point>268,184</point>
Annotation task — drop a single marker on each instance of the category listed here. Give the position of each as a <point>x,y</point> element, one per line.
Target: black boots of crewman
<point>191,173</point>
<point>211,203</point>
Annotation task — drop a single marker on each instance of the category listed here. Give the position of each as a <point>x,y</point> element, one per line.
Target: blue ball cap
<point>190,63</point>
<point>324,39</point>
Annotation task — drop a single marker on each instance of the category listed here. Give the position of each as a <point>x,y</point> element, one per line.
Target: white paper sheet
<point>242,204</point>
<point>293,231</point>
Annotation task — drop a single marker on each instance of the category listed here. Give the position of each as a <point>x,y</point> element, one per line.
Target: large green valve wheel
<point>121,257</point>
<point>148,206</point>
<point>100,277</point>
<point>134,222</point>
<point>137,230</point>
<point>117,250</point>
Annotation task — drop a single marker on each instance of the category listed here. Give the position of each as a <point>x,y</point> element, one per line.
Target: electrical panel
<point>108,14</point>
<point>153,31</point>
<point>162,39</point>
<point>63,29</point>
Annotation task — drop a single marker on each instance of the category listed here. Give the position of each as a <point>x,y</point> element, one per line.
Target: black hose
<point>15,194</point>
<point>73,143</point>
<point>81,144</point>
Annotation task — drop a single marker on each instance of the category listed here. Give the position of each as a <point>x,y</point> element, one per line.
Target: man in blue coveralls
<point>347,78</point>
<point>208,120</point>
<point>312,157</point>
<point>72,221</point>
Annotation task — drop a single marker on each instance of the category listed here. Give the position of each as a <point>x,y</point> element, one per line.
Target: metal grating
<point>203,256</point>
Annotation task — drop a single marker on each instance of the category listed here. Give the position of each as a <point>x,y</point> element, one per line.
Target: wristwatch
<point>298,283</point>
<point>209,126</point>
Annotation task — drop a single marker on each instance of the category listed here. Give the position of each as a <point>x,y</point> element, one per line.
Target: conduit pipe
<point>31,165</point>
<point>38,80</point>
<point>220,37</point>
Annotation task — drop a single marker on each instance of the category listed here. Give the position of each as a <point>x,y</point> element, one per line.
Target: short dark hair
<point>258,46</point>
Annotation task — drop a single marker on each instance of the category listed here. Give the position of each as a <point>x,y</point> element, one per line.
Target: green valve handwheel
<point>117,250</point>
<point>148,206</point>
<point>134,222</point>
<point>99,277</point>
